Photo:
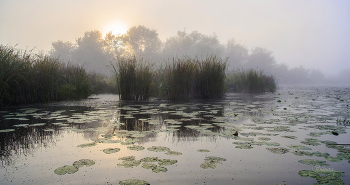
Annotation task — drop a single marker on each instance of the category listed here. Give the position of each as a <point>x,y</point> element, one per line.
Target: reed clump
<point>133,78</point>
<point>31,78</point>
<point>250,81</point>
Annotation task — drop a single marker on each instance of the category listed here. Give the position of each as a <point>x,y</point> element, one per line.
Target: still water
<point>288,137</point>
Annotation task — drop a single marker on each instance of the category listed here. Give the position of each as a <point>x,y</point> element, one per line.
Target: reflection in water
<point>39,127</point>
<point>262,121</point>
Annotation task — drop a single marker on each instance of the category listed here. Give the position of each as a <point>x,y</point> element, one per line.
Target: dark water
<point>37,140</point>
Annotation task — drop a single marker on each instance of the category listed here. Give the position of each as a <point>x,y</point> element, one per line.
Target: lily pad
<point>158,149</point>
<point>203,150</point>
<point>135,147</point>
<point>66,170</point>
<point>173,153</point>
<point>290,137</point>
<point>165,162</point>
<point>299,147</point>
<point>313,162</point>
<point>83,162</point>
<point>211,161</point>
<point>129,164</point>
<point>111,150</point>
<point>127,158</point>
<point>149,159</point>
<point>279,150</point>
<point>87,145</point>
<point>133,182</point>
<point>310,141</point>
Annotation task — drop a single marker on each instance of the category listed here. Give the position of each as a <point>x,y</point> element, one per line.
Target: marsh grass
<point>250,81</point>
<point>31,78</point>
<point>133,78</point>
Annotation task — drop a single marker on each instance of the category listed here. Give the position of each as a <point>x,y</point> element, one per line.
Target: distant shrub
<point>250,81</point>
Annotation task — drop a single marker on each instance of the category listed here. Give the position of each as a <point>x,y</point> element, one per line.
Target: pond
<point>298,135</point>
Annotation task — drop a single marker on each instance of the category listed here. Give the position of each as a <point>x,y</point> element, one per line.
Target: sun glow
<point>116,28</point>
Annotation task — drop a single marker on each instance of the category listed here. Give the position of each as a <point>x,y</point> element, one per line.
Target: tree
<point>63,50</point>
<point>93,51</point>
<point>236,53</point>
<point>260,58</point>
<point>191,45</point>
<point>141,42</point>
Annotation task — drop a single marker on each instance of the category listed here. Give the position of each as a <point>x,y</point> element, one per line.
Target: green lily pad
<point>87,145</point>
<point>308,173</point>
<point>272,144</point>
<point>313,162</point>
<point>83,162</point>
<point>138,135</point>
<point>302,153</point>
<point>165,162</point>
<point>290,137</point>
<point>127,158</point>
<point>158,149</point>
<point>310,141</point>
<point>203,150</point>
<point>244,146</point>
<point>173,153</point>
<point>149,159</point>
<point>149,165</point>
<point>66,170</point>
<point>135,147</point>
<point>129,164</point>
<point>279,150</point>
<point>111,150</point>
<point>133,182</point>
<point>299,147</point>
<point>264,138</point>
<point>211,161</point>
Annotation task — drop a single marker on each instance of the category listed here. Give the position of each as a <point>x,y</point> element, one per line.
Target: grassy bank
<point>250,81</point>
<point>30,78</point>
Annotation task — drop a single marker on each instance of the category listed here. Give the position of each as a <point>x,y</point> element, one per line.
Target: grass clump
<point>250,81</point>
<point>34,78</point>
<point>133,78</point>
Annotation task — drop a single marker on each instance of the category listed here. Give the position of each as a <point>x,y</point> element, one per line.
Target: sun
<point>116,28</point>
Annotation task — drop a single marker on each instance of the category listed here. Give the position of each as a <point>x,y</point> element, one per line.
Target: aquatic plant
<point>133,182</point>
<point>111,150</point>
<point>83,162</point>
<point>133,78</point>
<point>279,150</point>
<point>313,162</point>
<point>158,149</point>
<point>66,169</point>
<point>250,81</point>
<point>211,162</point>
<point>34,78</point>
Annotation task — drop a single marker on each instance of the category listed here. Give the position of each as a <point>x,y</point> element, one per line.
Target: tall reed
<point>210,78</point>
<point>251,81</point>
<point>30,78</point>
<point>133,78</point>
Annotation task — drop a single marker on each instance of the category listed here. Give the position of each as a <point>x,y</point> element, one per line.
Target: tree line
<point>95,51</point>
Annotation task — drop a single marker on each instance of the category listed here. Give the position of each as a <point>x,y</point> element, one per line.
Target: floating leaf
<point>66,170</point>
<point>165,162</point>
<point>279,150</point>
<point>129,163</point>
<point>133,182</point>
<point>173,153</point>
<point>87,145</point>
<point>135,147</point>
<point>150,159</point>
<point>83,162</point>
<point>158,149</point>
<point>127,158</point>
<point>203,150</point>
<point>299,147</point>
<point>111,150</point>
<point>313,162</point>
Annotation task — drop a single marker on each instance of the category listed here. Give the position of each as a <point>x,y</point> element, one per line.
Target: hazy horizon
<point>308,33</point>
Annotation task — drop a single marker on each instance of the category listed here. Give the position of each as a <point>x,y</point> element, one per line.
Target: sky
<point>311,33</point>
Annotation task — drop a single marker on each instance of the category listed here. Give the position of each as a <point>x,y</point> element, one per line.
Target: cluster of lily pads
<point>70,169</point>
<point>147,163</point>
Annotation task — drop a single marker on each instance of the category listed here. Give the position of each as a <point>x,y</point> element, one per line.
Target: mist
<point>96,52</point>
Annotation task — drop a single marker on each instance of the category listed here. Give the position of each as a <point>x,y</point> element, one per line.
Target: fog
<point>300,42</point>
